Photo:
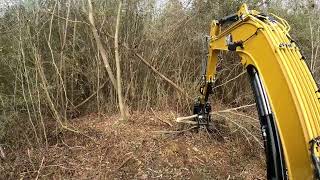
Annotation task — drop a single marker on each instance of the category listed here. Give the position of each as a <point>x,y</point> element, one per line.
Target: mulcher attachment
<point>203,111</point>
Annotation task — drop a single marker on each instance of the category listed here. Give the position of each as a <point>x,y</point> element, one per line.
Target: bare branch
<point>159,74</point>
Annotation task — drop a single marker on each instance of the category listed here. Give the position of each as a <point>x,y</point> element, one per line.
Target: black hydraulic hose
<point>272,143</point>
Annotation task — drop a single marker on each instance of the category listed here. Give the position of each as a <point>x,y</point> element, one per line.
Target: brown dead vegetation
<point>56,58</point>
<point>147,146</point>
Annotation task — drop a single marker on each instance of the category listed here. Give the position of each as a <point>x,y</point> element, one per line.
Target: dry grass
<point>136,150</point>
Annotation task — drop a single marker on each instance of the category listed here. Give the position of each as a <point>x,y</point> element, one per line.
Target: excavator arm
<point>286,94</point>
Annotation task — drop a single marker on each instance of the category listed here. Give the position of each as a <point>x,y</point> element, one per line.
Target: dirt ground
<point>147,146</point>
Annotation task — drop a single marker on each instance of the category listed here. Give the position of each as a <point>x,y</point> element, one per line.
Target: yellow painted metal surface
<point>290,86</point>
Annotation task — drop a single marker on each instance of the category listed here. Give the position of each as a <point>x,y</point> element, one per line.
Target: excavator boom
<point>286,93</point>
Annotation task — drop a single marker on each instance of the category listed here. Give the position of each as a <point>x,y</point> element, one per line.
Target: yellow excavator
<point>286,94</point>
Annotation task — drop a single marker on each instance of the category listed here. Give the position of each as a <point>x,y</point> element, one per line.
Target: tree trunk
<point>117,56</point>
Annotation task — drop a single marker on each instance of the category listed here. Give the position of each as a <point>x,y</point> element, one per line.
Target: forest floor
<point>146,146</point>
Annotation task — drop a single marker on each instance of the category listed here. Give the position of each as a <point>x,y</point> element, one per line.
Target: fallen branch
<point>236,108</point>
<point>184,119</point>
<point>144,61</point>
<point>243,115</point>
<point>159,73</point>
